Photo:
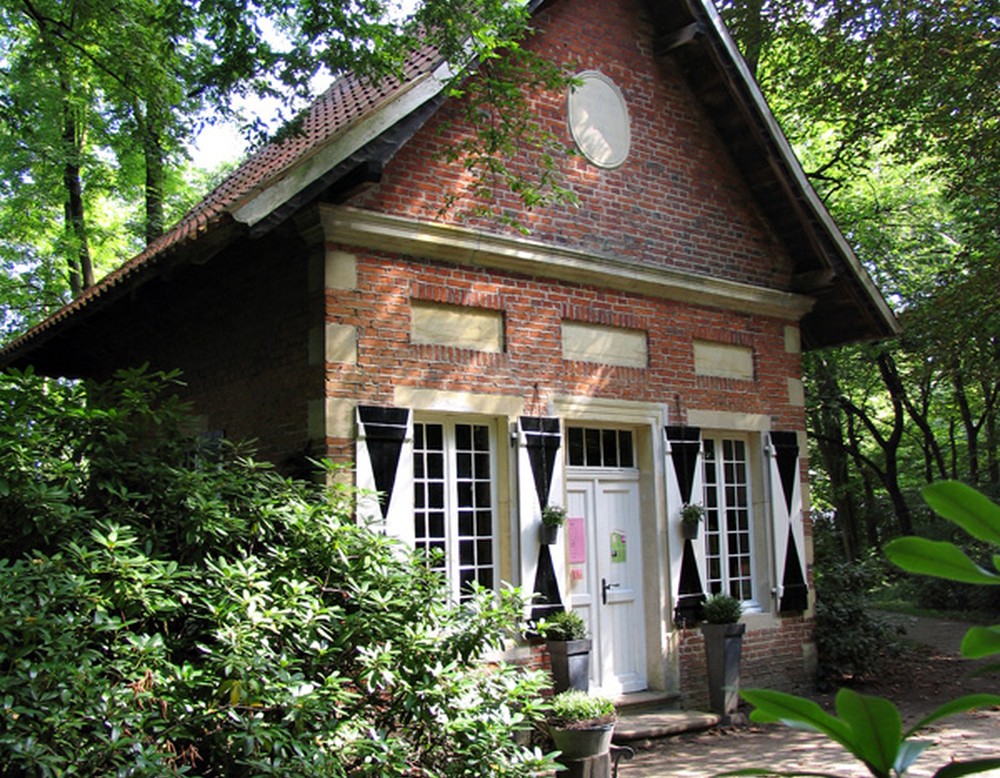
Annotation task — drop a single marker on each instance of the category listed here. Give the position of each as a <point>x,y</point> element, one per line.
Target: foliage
<point>574,708</point>
<point>691,514</point>
<point>850,641</point>
<point>891,108</point>
<point>870,727</point>
<point>564,625</point>
<point>722,608</point>
<point>172,606</point>
<point>100,98</point>
<point>553,516</point>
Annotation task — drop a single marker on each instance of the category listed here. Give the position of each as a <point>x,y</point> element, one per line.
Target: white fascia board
<point>464,246</point>
<point>309,168</point>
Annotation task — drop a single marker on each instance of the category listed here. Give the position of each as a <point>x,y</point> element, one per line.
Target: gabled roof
<point>357,125</point>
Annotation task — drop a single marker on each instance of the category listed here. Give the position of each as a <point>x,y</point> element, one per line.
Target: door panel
<point>607,588</point>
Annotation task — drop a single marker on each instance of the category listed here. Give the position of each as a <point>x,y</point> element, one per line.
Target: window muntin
<point>728,517</point>
<point>600,447</point>
<point>454,502</point>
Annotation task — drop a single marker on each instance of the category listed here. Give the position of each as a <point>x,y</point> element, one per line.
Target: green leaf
<point>958,705</point>
<point>981,641</point>
<point>876,728</point>
<point>937,558</point>
<point>971,510</point>
<point>909,752</point>
<point>772,706</point>
<point>956,769</point>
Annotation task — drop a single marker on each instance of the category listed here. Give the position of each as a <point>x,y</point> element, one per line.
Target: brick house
<point>628,356</point>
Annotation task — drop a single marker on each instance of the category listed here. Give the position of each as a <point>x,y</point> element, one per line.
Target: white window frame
<point>450,494</point>
<point>726,506</point>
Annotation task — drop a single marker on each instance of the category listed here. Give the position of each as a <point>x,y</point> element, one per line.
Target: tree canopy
<point>99,98</point>
<point>891,106</point>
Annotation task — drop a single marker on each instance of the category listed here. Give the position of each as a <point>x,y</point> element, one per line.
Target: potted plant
<point>553,517</point>
<point>581,725</point>
<point>723,646</point>
<point>691,516</point>
<point>566,638</point>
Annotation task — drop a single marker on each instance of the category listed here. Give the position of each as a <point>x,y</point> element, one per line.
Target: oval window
<point>598,119</point>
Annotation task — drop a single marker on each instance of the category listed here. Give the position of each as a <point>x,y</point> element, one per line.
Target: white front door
<point>606,575</point>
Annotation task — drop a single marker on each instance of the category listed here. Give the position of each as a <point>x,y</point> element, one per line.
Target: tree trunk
<point>969,425</point>
<point>152,153</point>
<point>827,430</point>
<point>81,269</point>
<point>890,445</point>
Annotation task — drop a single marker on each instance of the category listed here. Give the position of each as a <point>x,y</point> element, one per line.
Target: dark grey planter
<point>577,744</point>
<point>549,534</point>
<point>723,647</point>
<point>570,664</point>
<point>689,531</point>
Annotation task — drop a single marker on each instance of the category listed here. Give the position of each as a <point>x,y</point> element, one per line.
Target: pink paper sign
<point>576,534</point>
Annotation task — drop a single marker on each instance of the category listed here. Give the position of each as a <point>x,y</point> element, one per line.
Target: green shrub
<point>171,607</point>
<point>722,608</point>
<point>869,727</point>
<point>577,708</point>
<point>851,641</point>
<point>565,625</point>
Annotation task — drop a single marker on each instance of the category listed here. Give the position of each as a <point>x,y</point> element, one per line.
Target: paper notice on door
<point>576,534</point>
<point>618,546</point>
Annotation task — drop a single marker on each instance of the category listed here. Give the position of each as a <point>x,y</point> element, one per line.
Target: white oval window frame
<point>598,120</point>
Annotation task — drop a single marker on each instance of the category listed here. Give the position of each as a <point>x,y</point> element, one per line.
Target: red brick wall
<point>772,658</point>
<point>531,365</point>
<point>678,200</point>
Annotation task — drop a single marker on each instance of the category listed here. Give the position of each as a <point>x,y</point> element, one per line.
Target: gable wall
<point>237,327</point>
<point>676,202</point>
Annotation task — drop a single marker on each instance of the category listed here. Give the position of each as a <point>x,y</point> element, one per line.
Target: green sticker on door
<point>617,546</point>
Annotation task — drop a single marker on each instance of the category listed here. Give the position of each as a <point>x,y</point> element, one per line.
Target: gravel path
<point>917,683</point>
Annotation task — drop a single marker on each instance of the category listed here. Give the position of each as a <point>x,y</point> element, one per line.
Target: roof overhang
<point>849,307</point>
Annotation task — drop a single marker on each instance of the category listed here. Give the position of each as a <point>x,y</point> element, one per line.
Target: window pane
<point>463,465</point>
<point>593,448</point>
<point>727,499</point>
<point>453,500</point>
<point>576,458</point>
<point>609,446</point>
<point>625,447</point>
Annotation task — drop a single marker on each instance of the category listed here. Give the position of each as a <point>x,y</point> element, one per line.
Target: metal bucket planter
<point>579,744</point>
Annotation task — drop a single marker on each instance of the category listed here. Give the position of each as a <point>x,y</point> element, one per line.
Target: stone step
<point>650,699</point>
<point>649,724</point>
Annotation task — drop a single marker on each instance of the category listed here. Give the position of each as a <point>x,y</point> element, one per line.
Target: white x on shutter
<point>385,469</point>
<point>540,481</point>
<point>685,484</point>
<point>784,468</point>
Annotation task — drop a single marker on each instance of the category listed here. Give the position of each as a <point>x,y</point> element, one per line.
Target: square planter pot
<point>723,647</point>
<point>570,664</point>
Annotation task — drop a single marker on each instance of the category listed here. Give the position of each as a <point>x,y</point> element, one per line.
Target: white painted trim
<point>306,169</point>
<point>464,246</point>
<point>729,421</point>
<point>468,403</point>
<point>603,409</point>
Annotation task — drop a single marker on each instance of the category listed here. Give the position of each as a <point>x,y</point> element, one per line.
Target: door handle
<point>604,589</point>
